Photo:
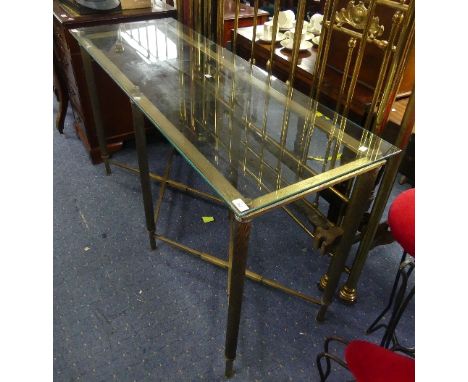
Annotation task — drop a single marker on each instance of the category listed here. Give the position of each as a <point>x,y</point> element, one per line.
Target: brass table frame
<point>240,226</point>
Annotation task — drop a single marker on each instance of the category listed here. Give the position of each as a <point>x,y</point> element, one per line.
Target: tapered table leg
<point>353,216</point>
<point>96,110</point>
<point>140,141</point>
<point>239,240</point>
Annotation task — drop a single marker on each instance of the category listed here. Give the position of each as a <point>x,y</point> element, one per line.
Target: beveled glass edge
<point>310,185</point>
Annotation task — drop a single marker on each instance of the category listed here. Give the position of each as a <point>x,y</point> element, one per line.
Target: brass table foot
<point>323,282</point>
<point>348,295</point>
<point>229,369</point>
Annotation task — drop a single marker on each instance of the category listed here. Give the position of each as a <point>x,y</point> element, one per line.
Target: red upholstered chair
<point>368,362</point>
<point>401,220</point>
<point>373,363</point>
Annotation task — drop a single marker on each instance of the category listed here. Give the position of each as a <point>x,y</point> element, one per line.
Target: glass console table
<point>254,139</point>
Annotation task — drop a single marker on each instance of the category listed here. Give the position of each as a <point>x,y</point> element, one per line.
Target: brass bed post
<point>220,23</point>
<point>236,27</point>
<point>254,33</point>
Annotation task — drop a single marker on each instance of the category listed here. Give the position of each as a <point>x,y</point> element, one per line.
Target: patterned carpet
<point>125,313</point>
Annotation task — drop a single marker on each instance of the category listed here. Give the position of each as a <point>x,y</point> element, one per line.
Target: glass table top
<point>256,141</point>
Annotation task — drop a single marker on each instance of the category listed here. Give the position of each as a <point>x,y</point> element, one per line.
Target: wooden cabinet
<point>115,107</point>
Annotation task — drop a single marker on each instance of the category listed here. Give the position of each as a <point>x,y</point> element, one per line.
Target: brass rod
<point>396,21</point>
<point>220,23</point>
<point>172,183</point>
<point>266,106</point>
<point>324,47</point>
<point>204,68</point>
<point>249,274</point>
<point>297,40</point>
<point>393,4</point>
<point>298,222</point>
<point>207,18</point>
<point>349,32</point>
<point>382,44</point>
<point>198,16</point>
<point>254,36</point>
<point>217,109</point>
<point>399,62</point>
<point>308,130</point>
<point>336,116</point>
<point>202,255</point>
<point>351,46</point>
<point>284,132</point>
<point>273,35</point>
<point>236,27</point>
<point>190,14</point>
<point>359,58</point>
<point>193,59</point>
<point>247,119</point>
<point>180,53</point>
<point>305,201</point>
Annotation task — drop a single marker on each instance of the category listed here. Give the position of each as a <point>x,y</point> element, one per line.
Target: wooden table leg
<point>239,244</point>
<point>61,93</point>
<point>95,107</point>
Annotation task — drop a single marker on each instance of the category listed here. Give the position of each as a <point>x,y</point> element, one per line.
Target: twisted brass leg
<point>240,241</point>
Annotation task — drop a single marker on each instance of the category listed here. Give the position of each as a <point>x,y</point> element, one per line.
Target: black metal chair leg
<point>400,304</point>
<point>390,334</point>
<point>328,357</point>
<point>373,327</point>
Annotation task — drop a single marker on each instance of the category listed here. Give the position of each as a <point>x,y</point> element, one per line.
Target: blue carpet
<point>125,313</point>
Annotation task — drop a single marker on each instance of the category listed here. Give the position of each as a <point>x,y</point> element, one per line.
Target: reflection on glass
<point>252,138</point>
<point>150,43</point>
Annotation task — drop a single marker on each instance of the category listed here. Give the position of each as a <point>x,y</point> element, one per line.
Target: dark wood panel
<point>115,107</point>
